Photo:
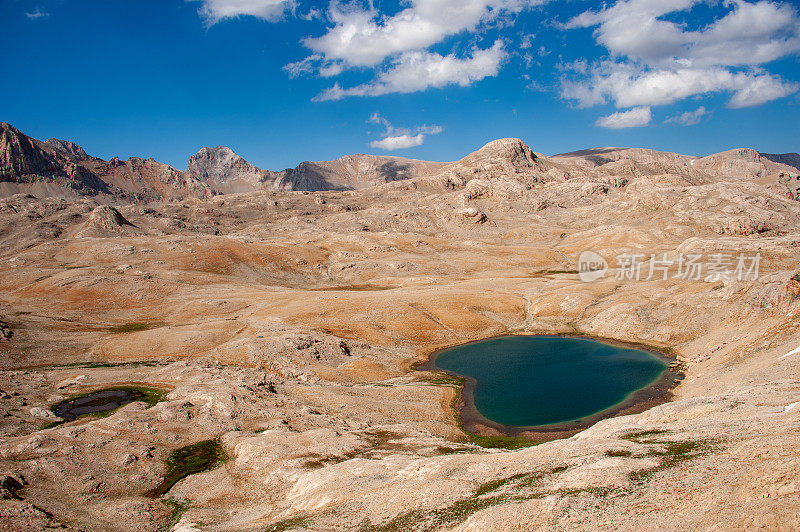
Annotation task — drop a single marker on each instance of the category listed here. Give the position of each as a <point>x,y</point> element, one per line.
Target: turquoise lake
<point>528,381</point>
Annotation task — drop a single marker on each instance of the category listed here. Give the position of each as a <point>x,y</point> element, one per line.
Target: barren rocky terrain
<point>284,324</point>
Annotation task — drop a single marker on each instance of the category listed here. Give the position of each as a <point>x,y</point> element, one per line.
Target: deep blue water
<point>540,380</point>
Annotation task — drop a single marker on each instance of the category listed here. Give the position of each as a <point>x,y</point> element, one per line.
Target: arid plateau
<point>280,315</point>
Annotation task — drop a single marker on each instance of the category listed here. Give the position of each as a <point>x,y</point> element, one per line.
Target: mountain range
<point>61,168</point>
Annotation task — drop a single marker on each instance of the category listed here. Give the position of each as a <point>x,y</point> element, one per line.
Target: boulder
<point>105,219</point>
<point>472,215</point>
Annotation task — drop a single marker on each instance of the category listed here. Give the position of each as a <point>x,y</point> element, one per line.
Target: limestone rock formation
<point>62,169</point>
<point>106,220</point>
<point>354,172</point>
<point>28,165</point>
<point>746,163</point>
<point>144,180</point>
<point>503,159</point>
<point>67,147</point>
<point>792,184</point>
<point>22,156</point>
<point>225,171</point>
<point>351,172</point>
<point>472,215</point>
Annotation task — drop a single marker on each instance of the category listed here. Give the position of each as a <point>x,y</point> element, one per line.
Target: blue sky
<point>282,81</point>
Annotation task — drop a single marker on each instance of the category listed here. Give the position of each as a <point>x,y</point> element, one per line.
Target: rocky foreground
<point>284,324</point>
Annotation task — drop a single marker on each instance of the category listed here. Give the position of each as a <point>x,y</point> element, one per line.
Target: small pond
<point>103,401</point>
<point>551,382</point>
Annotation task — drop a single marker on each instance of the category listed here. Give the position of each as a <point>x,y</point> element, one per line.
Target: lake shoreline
<point>472,421</point>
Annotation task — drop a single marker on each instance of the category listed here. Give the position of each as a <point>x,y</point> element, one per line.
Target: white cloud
<point>397,45</point>
<point>364,37</point>
<point>398,142</point>
<point>37,14</point>
<point>689,118</point>
<point>636,117</point>
<point>313,14</point>
<point>749,34</point>
<point>658,62</point>
<point>759,89</point>
<point>527,41</point>
<point>418,71</point>
<point>214,11</point>
<point>629,85</point>
<point>396,139</point>
<point>306,65</point>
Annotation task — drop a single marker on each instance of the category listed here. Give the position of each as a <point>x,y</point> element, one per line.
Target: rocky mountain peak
<point>21,155</point>
<point>68,148</point>
<point>512,150</point>
<point>746,154</point>
<point>502,158</point>
<point>747,163</point>
<point>221,167</point>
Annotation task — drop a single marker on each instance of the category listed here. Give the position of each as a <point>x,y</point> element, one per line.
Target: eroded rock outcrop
<point>503,159</point>
<point>67,147</point>
<point>225,171</point>
<point>792,184</point>
<point>105,220</point>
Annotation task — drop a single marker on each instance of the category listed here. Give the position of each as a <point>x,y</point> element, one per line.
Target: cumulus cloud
<point>654,61</point>
<point>749,34</point>
<point>689,118</point>
<point>395,139</point>
<point>365,37</point>
<point>636,117</point>
<point>420,70</point>
<point>628,85</point>
<point>214,11</point>
<point>397,45</point>
<point>398,142</point>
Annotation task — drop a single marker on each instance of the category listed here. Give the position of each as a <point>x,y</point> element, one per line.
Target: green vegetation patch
<point>90,365</point>
<point>495,485</point>
<point>540,273</point>
<point>486,496</point>
<point>500,442</point>
<point>618,452</point>
<point>441,379</point>
<point>598,491</point>
<point>644,436</point>
<point>194,458</point>
<point>527,486</point>
<point>178,509</point>
<point>150,396</point>
<point>136,326</point>
<point>674,454</point>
